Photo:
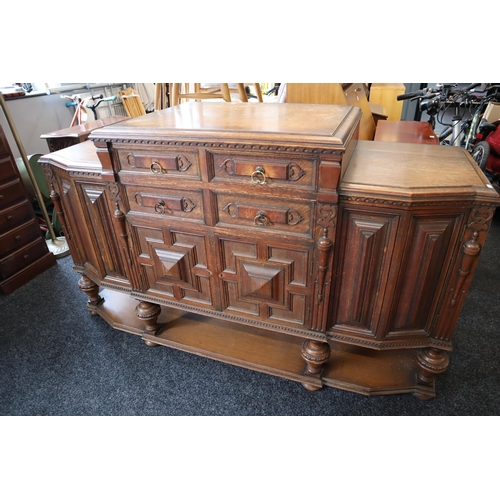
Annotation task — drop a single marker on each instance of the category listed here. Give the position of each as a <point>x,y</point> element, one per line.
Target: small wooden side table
<point>66,137</point>
<point>405,131</point>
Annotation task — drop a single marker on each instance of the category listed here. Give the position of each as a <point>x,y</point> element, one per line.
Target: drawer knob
<point>160,207</point>
<point>18,237</point>
<point>259,176</point>
<point>261,219</point>
<point>156,168</point>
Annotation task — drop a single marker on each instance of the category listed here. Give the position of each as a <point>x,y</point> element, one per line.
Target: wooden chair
<point>180,91</point>
<point>352,94</point>
<point>132,102</point>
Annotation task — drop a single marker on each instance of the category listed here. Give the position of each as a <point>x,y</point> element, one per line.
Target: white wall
<point>35,115</point>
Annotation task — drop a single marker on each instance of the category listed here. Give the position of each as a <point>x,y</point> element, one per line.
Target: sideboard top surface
<point>415,170</point>
<point>266,123</point>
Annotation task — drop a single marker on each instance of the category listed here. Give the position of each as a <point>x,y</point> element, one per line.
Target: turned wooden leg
<point>87,286</point>
<point>148,312</point>
<point>315,354</point>
<point>431,362</point>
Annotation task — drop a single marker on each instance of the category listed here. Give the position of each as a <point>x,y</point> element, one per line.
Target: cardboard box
<point>492,113</point>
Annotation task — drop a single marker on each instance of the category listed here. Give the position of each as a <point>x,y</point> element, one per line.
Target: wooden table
<point>405,131</point>
<point>69,136</point>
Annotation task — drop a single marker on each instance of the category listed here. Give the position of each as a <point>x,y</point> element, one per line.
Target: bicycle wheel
<point>480,154</point>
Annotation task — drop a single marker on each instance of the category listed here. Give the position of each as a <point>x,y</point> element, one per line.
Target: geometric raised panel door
<point>176,265</point>
<point>265,280</point>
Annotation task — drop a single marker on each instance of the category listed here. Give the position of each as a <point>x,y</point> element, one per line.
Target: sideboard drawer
<point>15,215</point>
<point>161,202</point>
<point>18,237</point>
<point>10,192</point>
<point>264,170</point>
<point>183,163</point>
<point>8,169</point>
<point>265,213</point>
<point>22,258</point>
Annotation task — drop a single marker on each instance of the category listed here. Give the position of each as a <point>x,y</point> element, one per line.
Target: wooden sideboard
<point>23,251</point>
<point>268,236</point>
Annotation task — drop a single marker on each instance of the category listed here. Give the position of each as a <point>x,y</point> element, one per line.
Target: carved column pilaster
<point>326,219</point>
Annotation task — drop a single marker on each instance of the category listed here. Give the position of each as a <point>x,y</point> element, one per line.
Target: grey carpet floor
<point>56,359</point>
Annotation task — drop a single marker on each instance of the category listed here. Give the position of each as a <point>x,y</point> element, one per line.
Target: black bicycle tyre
<point>480,154</point>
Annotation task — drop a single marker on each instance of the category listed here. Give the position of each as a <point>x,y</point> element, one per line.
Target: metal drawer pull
<point>259,176</point>
<point>160,207</point>
<point>156,168</point>
<point>261,219</point>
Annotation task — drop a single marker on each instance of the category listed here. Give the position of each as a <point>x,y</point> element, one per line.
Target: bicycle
<point>81,105</point>
<point>466,129</point>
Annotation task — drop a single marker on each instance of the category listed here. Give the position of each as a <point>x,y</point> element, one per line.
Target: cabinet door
<point>366,246</point>
<point>175,261</point>
<point>430,243</point>
<point>265,280</point>
<point>88,224</point>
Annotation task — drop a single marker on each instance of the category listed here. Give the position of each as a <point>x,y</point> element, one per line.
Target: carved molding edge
<point>390,344</point>
<point>248,147</point>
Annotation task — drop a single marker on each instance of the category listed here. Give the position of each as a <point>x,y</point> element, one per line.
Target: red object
<point>493,163</point>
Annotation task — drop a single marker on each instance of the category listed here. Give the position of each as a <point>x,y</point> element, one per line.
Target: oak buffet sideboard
<point>268,236</point>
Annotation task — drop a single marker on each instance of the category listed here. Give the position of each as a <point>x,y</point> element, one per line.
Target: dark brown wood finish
<point>285,244</point>
<point>23,251</point>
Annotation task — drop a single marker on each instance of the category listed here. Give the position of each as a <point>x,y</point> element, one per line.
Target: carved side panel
<point>268,281</point>
<point>364,260</point>
<point>102,227</point>
<point>430,244</point>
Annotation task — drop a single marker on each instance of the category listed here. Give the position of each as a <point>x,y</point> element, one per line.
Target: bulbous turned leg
<point>87,286</point>
<point>315,354</point>
<point>431,362</point>
<point>148,312</point>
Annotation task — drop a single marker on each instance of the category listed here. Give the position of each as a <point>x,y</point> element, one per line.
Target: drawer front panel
<point>14,216</point>
<point>177,163</point>
<point>161,203</point>
<point>264,170</point>
<point>265,214</point>
<point>10,192</point>
<point>22,258</point>
<point>18,237</point>
<point>8,169</point>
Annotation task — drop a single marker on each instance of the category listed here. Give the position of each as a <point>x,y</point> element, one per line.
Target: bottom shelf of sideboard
<point>356,369</point>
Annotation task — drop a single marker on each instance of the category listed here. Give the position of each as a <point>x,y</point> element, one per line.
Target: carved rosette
<point>114,192</point>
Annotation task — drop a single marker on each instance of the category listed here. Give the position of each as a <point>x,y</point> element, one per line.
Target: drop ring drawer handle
<point>156,168</point>
<point>259,176</point>
<point>261,219</point>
